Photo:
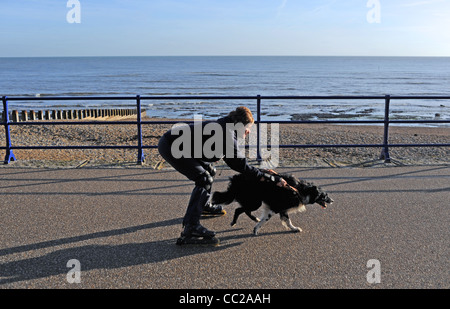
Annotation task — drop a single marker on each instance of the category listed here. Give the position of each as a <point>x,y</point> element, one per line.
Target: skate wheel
<point>194,241</point>
<point>180,241</point>
<point>213,215</point>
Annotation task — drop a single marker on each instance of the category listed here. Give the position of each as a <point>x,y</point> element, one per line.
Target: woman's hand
<point>282,183</point>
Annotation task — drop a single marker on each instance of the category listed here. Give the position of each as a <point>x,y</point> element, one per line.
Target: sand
<point>304,134</point>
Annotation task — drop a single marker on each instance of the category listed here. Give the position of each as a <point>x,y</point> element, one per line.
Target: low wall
<point>24,115</point>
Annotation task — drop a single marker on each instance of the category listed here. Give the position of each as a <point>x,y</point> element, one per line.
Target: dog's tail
<point>223,198</point>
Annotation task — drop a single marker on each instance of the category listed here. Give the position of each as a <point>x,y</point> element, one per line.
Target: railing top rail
<point>70,98</point>
<point>262,97</point>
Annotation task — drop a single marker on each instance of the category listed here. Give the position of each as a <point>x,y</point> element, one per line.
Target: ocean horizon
<point>236,76</point>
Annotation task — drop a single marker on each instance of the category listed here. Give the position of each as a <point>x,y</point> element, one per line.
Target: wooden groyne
<point>98,114</point>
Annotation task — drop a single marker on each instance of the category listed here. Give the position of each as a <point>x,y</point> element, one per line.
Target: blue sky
<point>225,27</point>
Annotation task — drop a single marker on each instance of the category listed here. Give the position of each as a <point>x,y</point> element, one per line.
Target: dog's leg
<point>286,221</point>
<point>237,213</point>
<point>267,214</point>
<point>249,214</point>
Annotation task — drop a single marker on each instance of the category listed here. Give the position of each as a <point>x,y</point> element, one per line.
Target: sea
<point>235,76</point>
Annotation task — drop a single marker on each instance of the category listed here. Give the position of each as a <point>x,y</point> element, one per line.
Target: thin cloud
<point>323,7</point>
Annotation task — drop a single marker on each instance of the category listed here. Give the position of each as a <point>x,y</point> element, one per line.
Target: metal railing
<point>139,122</point>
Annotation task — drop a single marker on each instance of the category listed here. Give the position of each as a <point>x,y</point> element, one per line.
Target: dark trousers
<point>193,169</point>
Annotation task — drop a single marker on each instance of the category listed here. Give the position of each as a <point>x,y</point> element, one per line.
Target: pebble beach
<point>299,134</point>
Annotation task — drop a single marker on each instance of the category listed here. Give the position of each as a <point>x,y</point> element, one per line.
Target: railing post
<point>385,151</point>
<point>141,157</point>
<point>9,153</point>
<point>258,128</point>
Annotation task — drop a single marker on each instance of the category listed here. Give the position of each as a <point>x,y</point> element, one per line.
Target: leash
<point>286,185</point>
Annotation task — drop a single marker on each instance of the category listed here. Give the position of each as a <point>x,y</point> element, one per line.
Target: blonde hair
<point>242,115</point>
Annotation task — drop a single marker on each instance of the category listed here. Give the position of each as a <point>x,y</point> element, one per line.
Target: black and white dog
<point>251,193</point>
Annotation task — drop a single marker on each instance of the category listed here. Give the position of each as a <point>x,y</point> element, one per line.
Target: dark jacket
<point>230,151</point>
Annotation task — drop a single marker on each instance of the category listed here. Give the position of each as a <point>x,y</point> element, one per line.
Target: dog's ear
<point>315,190</point>
<point>312,192</point>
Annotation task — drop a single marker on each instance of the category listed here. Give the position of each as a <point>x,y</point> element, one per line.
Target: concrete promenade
<point>121,225</point>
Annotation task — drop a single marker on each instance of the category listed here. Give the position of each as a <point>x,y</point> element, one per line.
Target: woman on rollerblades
<point>201,171</point>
